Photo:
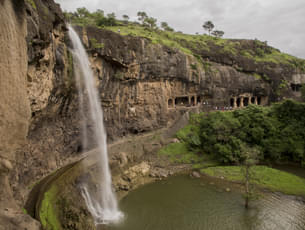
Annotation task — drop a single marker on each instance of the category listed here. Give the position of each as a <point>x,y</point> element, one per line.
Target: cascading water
<point>103,204</point>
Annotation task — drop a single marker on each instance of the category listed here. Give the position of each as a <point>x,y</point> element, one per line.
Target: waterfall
<point>102,203</point>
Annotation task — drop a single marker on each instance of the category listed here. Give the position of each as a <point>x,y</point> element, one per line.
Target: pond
<point>184,203</point>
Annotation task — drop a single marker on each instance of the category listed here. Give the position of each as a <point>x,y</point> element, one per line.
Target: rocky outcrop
<point>14,107</point>
<point>50,91</point>
<point>143,87</point>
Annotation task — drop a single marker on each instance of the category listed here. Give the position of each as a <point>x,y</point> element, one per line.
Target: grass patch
<point>180,153</point>
<point>47,211</point>
<point>170,39</point>
<point>263,176</point>
<point>174,149</point>
<point>95,44</point>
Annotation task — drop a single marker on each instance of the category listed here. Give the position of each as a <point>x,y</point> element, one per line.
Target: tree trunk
<point>247,187</point>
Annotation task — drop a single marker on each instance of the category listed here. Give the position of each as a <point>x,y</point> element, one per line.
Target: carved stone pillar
<point>242,102</point>
<point>235,103</point>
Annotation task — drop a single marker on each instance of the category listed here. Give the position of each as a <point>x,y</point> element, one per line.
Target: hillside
<point>148,80</point>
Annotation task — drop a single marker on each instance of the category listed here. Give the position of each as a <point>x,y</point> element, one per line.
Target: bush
<point>276,132</point>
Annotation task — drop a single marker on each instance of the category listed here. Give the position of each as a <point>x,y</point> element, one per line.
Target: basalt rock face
<point>146,86</point>
<point>143,87</point>
<point>53,134</point>
<point>14,107</point>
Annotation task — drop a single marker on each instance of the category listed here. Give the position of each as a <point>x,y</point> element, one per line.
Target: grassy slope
<point>180,153</point>
<point>263,176</point>
<point>204,42</point>
<point>189,44</point>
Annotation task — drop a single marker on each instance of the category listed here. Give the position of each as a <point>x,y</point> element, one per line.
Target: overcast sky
<point>280,22</point>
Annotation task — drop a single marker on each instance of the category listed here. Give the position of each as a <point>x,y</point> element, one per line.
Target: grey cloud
<point>280,22</point>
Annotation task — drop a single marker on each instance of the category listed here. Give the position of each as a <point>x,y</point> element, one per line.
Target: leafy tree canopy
<point>209,26</point>
<point>274,133</point>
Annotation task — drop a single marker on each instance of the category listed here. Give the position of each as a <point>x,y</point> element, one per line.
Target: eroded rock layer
<point>143,87</point>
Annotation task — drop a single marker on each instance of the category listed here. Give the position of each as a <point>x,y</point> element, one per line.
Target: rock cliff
<point>143,86</point>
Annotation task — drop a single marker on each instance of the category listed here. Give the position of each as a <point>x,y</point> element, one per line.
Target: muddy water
<point>182,203</point>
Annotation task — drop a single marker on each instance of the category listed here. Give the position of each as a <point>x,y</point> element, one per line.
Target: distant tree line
<point>83,16</point>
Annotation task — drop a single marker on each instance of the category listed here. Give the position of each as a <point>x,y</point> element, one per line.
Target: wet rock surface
<point>143,87</point>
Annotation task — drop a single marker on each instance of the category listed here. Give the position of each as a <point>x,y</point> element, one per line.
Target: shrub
<point>276,132</point>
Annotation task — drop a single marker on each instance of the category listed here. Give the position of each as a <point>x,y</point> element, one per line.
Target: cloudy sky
<point>280,22</point>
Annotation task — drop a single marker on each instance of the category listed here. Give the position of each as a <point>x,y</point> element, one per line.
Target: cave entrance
<point>246,101</point>
<point>238,102</point>
<point>181,101</point>
<point>198,100</point>
<point>192,101</point>
<point>232,102</point>
<point>296,87</point>
<point>170,103</point>
<point>259,100</point>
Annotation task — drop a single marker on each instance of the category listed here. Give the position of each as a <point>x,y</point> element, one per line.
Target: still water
<point>183,203</point>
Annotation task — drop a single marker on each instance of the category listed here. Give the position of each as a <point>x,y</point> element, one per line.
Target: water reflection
<point>194,204</point>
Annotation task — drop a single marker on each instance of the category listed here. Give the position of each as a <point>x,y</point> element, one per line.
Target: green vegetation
<point>69,79</point>
<point>95,44</point>
<point>303,92</point>
<point>209,26</point>
<point>276,132</point>
<point>119,75</point>
<point>179,153</point>
<point>284,84</point>
<point>83,17</point>
<point>263,176</point>
<point>256,51</point>
<point>32,3</point>
<point>218,33</point>
<point>166,27</point>
<point>257,76</point>
<point>47,214</point>
<point>24,211</point>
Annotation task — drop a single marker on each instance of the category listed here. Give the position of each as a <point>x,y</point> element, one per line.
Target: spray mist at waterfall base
<point>101,202</point>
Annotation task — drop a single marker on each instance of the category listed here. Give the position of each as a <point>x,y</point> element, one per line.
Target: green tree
<point>82,12</point>
<point>98,14</point>
<point>276,131</point>
<point>126,18</point>
<point>248,159</point>
<point>209,26</point>
<point>166,27</point>
<point>142,16</point>
<point>68,15</point>
<point>150,22</point>
<point>111,19</point>
<point>218,33</point>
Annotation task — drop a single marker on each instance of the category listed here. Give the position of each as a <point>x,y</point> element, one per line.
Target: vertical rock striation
<point>14,107</point>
